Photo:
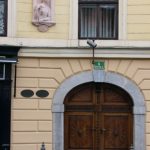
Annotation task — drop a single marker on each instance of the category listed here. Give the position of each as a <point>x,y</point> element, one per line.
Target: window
<point>98,19</point>
<point>3,17</point>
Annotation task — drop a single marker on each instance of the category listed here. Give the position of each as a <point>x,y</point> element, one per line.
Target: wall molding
<point>59,43</point>
<point>62,48</point>
<point>123,11</point>
<point>11,19</point>
<point>131,53</point>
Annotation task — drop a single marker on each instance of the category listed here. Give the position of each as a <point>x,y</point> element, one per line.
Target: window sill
<point>117,44</point>
<point>62,43</point>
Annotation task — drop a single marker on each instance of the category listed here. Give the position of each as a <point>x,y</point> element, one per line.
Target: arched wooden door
<point>98,116</point>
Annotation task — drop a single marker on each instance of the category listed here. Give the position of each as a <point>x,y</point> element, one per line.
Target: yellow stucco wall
<point>25,28</point>
<point>32,118</point>
<point>138,19</point>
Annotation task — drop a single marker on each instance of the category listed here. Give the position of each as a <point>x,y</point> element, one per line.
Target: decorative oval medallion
<point>42,93</point>
<point>27,93</point>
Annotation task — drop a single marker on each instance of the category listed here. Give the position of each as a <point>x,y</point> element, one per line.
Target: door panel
<point>116,131</point>
<point>81,96</point>
<point>79,128</point>
<point>98,117</point>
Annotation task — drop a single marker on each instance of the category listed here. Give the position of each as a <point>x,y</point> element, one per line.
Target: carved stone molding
<point>43,14</point>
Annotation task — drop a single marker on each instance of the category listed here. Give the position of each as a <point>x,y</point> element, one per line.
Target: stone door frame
<point>101,76</point>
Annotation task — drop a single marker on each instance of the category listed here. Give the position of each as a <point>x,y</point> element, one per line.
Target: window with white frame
<point>98,19</point>
<point>3,17</point>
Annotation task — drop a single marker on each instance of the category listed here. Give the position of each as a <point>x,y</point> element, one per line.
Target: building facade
<point>51,92</point>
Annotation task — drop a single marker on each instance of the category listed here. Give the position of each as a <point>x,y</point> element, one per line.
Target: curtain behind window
<point>107,21</point>
<point>88,21</point>
<point>98,21</point>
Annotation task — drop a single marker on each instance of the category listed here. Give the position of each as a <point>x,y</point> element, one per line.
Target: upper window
<point>3,17</point>
<point>98,19</point>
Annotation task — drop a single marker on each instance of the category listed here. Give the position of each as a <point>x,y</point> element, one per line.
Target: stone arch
<point>104,77</point>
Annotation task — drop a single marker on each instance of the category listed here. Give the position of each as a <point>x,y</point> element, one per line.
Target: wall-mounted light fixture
<point>93,46</point>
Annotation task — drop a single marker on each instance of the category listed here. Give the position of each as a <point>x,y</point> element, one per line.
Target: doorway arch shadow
<point>103,77</point>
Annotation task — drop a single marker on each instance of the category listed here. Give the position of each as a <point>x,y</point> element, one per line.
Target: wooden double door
<point>98,117</point>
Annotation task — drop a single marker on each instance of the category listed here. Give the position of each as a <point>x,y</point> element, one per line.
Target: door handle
<point>103,130</point>
<point>99,130</point>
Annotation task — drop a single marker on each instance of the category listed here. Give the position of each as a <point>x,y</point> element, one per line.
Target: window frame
<point>5,19</point>
<point>98,4</point>
<point>122,28</point>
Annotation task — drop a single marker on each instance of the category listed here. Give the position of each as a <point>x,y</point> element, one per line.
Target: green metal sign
<point>99,65</point>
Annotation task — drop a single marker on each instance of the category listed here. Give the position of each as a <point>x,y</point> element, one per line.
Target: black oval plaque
<point>42,93</point>
<point>27,93</point>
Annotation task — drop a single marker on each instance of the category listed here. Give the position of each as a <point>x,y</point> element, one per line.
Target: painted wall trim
<point>99,76</point>
<point>11,21</point>
<point>131,53</point>
<point>73,31</point>
<point>58,43</point>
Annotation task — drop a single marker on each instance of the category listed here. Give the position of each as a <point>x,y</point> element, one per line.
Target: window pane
<point>98,19</point>
<point>2,17</point>
<point>108,21</point>
<point>88,21</point>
